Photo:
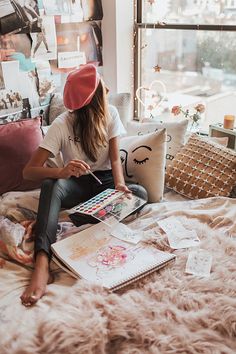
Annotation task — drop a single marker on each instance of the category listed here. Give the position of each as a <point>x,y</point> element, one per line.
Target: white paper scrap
<point>124,233</point>
<point>178,235</point>
<point>154,232</point>
<point>71,59</point>
<point>199,263</point>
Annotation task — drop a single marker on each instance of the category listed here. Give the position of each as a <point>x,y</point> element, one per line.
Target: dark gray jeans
<point>66,193</point>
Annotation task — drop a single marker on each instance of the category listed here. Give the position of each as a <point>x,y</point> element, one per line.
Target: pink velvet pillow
<point>18,141</point>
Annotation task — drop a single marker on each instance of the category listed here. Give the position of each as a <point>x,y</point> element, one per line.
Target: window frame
<point>139,25</point>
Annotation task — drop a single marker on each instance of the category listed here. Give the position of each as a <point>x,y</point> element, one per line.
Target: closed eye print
<point>143,150</point>
<point>141,162</point>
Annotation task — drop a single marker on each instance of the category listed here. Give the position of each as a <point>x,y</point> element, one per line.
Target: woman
<point>87,136</point>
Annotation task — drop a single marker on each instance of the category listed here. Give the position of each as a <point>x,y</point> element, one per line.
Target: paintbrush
<point>92,174</point>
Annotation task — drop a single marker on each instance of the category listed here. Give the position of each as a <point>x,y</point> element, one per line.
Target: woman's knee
<point>47,184</point>
<point>55,186</point>
<point>139,191</point>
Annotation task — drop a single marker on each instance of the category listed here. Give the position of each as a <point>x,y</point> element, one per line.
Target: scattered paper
<point>199,263</point>
<point>124,233</point>
<point>178,235</point>
<point>153,232</point>
<point>143,223</point>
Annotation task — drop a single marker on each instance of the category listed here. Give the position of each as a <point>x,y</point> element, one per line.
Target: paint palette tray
<point>110,206</point>
<point>92,205</point>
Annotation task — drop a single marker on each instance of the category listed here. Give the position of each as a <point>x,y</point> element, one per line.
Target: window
<point>186,55</point>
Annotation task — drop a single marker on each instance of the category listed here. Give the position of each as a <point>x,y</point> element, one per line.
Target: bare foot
<point>38,282</point>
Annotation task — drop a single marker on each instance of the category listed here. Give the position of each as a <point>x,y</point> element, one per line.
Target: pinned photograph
<point>92,10</point>
<point>71,59</point>
<point>10,73</point>
<point>46,84</point>
<point>18,85</point>
<point>76,14</point>
<point>19,16</point>
<point>29,87</point>
<point>83,37</point>
<point>82,10</point>
<point>26,112</point>
<point>10,101</point>
<point>2,83</point>
<point>8,118</point>
<point>64,8</point>
<point>44,43</point>
<point>16,47</point>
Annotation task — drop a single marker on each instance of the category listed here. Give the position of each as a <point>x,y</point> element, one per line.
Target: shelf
<point>219,131</point>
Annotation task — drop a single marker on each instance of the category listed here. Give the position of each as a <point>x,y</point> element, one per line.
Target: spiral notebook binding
<point>142,274</point>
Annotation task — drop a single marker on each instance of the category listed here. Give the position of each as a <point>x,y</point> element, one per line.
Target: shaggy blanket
<point>167,312</point>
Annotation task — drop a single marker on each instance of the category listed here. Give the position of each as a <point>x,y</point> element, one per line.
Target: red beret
<point>80,87</point>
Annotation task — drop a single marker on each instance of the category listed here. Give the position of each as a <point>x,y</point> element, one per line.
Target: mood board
<point>41,41</point>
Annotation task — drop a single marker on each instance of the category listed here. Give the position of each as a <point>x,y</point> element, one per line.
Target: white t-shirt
<point>60,138</point>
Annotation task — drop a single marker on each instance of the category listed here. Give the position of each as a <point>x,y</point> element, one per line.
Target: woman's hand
<point>122,188</point>
<point>75,168</point>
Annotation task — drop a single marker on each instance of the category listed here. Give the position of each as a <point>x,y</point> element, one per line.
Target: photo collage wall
<point>41,41</point>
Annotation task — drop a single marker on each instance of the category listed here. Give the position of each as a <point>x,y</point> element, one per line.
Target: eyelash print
<point>141,162</point>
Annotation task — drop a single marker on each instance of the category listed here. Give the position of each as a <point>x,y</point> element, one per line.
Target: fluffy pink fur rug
<point>168,312</point>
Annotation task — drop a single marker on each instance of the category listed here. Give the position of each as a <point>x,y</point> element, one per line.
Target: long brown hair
<point>90,123</point>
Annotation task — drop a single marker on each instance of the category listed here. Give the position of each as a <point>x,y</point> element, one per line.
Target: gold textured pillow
<point>202,169</point>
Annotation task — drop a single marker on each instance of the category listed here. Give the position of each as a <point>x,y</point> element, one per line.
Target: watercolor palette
<point>92,205</point>
<point>110,206</point>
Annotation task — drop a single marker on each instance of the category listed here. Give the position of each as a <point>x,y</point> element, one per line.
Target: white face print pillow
<point>175,134</point>
<point>143,160</point>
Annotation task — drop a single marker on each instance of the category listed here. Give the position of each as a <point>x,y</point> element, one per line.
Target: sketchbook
<point>110,206</point>
<point>96,256</point>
